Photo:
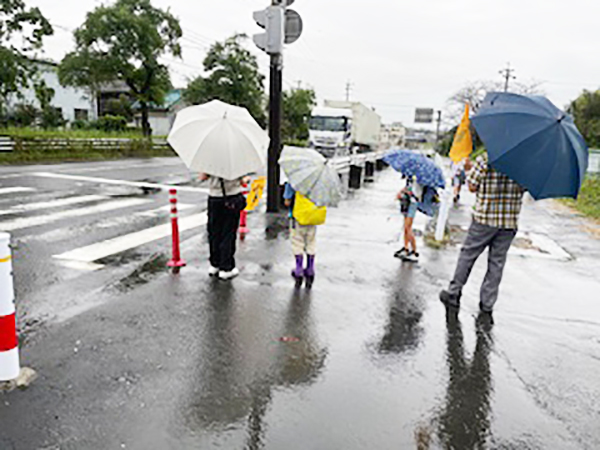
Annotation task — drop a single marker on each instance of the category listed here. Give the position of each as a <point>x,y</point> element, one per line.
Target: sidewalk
<point>366,359</point>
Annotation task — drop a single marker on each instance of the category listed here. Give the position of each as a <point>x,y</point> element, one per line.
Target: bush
<point>80,125</point>
<point>24,115</point>
<point>110,123</point>
<point>52,118</point>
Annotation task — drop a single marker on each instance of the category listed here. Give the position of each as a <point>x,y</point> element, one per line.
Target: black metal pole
<point>437,131</point>
<point>274,134</point>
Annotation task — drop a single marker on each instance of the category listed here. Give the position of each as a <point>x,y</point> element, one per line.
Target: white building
<point>74,103</point>
<point>393,135</point>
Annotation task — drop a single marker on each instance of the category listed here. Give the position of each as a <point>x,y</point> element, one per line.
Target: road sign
<point>293,26</point>
<point>424,115</point>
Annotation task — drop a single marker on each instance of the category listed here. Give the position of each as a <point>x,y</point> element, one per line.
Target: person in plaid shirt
<point>494,226</point>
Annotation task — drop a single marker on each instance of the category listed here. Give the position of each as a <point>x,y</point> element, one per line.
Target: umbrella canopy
<point>534,143</point>
<point>413,164</point>
<point>219,139</point>
<point>308,173</point>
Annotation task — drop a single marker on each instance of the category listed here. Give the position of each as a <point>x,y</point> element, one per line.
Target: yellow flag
<point>463,142</point>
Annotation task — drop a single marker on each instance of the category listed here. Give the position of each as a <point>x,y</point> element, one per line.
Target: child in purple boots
<point>303,239</point>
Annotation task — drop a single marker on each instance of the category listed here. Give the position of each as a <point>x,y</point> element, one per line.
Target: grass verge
<point>588,202</point>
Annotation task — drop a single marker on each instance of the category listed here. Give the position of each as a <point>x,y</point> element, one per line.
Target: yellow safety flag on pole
<point>463,141</point>
<point>256,193</point>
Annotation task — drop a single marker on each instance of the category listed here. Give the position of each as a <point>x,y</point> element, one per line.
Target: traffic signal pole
<point>275,146</point>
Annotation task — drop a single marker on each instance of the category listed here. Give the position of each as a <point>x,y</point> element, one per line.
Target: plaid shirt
<point>499,198</point>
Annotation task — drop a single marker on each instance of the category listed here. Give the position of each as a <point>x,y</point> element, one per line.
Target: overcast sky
<point>398,54</point>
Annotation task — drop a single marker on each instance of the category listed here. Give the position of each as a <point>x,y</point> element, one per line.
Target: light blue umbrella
<point>534,143</point>
<point>414,164</point>
<point>308,173</point>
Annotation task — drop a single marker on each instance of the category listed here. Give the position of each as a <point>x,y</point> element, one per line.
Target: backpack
<point>307,213</point>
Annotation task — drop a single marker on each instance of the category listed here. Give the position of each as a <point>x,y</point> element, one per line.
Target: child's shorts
<point>412,211</point>
<point>304,239</point>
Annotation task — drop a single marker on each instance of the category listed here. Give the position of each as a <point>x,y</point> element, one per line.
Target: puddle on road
<point>143,274</point>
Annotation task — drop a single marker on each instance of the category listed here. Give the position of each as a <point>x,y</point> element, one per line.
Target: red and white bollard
<point>9,346</point>
<point>176,262</point>
<point>244,214</point>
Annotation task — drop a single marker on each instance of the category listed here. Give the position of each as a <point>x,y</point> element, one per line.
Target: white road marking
<point>164,209</point>
<point>27,222</point>
<point>78,265</point>
<point>52,204</point>
<point>138,184</point>
<point>120,244</point>
<point>132,166</point>
<point>15,190</point>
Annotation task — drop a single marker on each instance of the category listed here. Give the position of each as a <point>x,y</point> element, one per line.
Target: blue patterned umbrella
<point>413,164</point>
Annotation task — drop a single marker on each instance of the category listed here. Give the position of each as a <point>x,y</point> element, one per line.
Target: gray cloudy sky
<point>398,54</point>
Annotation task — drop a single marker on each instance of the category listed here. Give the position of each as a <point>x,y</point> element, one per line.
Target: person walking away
<point>409,198</point>
<point>304,216</point>
<point>225,202</point>
<point>494,226</point>
<point>458,178</point>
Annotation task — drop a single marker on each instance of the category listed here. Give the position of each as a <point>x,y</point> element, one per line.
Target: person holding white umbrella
<point>224,144</point>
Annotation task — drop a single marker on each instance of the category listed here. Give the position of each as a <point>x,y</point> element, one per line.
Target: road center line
<point>110,247</point>
<point>138,184</point>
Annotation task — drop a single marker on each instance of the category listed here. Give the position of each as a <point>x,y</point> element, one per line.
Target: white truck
<point>343,128</point>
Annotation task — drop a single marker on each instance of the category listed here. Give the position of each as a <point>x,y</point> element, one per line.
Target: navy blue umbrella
<point>534,143</point>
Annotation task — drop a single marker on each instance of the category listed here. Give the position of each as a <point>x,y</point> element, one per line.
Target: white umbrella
<point>219,139</point>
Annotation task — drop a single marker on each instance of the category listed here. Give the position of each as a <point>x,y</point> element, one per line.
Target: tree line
<point>125,42</point>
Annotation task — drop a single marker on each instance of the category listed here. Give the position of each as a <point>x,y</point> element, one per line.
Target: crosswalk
<point>102,225</point>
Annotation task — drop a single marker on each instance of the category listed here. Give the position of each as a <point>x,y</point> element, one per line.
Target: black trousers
<point>222,234</point>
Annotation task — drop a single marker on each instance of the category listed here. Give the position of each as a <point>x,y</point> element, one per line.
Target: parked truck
<point>343,128</point>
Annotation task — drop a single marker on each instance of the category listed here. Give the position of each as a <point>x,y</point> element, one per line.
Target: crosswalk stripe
<point>138,184</point>
<point>15,190</point>
<point>58,203</point>
<point>110,247</point>
<point>27,222</point>
<point>165,209</point>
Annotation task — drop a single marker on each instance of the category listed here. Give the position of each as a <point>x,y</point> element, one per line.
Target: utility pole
<point>437,131</point>
<point>348,90</point>
<point>507,74</point>
<point>275,107</point>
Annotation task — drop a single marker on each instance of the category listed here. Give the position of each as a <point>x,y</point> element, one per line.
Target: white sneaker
<point>229,275</point>
<point>213,271</point>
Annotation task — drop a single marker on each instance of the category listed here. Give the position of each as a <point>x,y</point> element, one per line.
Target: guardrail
<point>6,144</point>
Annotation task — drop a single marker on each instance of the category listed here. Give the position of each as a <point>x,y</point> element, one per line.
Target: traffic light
<point>272,20</point>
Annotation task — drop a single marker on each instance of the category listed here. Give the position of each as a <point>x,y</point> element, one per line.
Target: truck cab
<point>330,131</point>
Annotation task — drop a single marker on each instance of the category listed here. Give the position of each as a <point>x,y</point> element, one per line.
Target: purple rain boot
<point>298,272</point>
<point>309,272</point>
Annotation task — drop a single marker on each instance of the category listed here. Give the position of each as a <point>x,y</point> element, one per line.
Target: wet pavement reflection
<point>464,422</point>
<point>249,357</point>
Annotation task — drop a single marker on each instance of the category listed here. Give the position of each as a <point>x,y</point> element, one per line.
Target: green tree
<point>232,77</point>
<point>297,108</point>
<point>22,30</point>
<point>586,113</point>
<point>123,42</point>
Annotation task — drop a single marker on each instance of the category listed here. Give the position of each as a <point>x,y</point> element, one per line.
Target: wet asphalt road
<point>368,359</point>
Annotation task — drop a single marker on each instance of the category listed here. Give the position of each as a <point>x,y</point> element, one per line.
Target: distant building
<point>393,135</point>
<point>73,103</point>
<point>162,117</point>
<point>109,92</point>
